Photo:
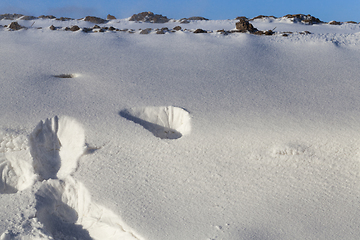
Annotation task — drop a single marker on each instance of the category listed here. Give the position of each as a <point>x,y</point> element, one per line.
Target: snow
<point>179,136</point>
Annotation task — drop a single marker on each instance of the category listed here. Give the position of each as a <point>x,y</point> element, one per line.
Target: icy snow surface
<point>179,136</point>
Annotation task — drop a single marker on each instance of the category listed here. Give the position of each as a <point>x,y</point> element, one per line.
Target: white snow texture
<point>63,205</point>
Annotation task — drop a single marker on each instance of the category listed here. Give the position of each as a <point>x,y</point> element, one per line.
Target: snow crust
<point>263,142</point>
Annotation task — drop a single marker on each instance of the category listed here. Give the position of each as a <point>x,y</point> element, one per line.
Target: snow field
<point>273,151</point>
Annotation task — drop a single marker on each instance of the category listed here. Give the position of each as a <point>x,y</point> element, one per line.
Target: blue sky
<point>212,9</point>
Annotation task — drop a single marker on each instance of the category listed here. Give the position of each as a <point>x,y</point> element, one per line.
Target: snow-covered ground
<point>180,136</point>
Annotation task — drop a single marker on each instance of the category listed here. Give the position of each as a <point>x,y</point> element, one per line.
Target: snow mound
<point>164,122</point>
<point>16,171</point>
<point>65,209</point>
<point>56,146</point>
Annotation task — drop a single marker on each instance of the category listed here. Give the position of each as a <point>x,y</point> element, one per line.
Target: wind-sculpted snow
<point>16,171</point>
<point>164,122</point>
<point>65,208</point>
<point>63,205</point>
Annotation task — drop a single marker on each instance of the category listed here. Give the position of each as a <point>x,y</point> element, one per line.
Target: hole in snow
<point>67,75</point>
<point>164,122</point>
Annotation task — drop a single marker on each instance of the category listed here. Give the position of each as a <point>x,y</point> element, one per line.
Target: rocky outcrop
<point>244,26</point>
<point>9,16</point>
<point>95,20</point>
<point>187,20</point>
<point>110,17</point>
<point>15,26</point>
<point>199,30</point>
<point>149,17</point>
<point>307,19</point>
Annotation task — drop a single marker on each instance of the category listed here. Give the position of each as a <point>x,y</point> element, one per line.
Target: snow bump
<point>164,122</point>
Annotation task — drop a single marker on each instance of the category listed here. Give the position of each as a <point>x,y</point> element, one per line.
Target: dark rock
<point>200,31</point>
<point>28,18</point>
<point>47,17</point>
<point>334,23</point>
<point>110,17</point>
<point>96,27</point>
<point>149,17</point>
<point>67,29</point>
<point>64,19</point>
<point>52,27</point>
<point>111,28</point>
<point>8,16</point>
<point>124,30</point>
<point>196,18</point>
<point>222,31</point>
<point>261,17</point>
<point>307,19</point>
<point>244,26</point>
<point>242,17</point>
<point>269,32</point>
<point>94,20</point>
<point>177,28</point>
<point>86,30</point>
<point>145,31</point>
<point>74,28</point>
<point>15,26</point>
<point>187,20</point>
<point>351,22</point>
<point>160,31</point>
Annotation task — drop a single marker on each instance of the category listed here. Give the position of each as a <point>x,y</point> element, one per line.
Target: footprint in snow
<point>63,205</point>
<point>164,122</point>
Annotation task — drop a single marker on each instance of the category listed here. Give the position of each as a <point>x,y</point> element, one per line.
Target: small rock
<point>67,29</point>
<point>196,18</point>
<point>145,31</point>
<point>74,28</point>
<point>110,17</point>
<point>177,28</point>
<point>262,17</point>
<point>149,17</point>
<point>52,27</point>
<point>242,17</point>
<point>160,31</point>
<point>87,30</point>
<point>244,26</point>
<point>94,20</point>
<point>96,27</point>
<point>15,26</point>
<point>111,28</point>
<point>64,19</point>
<point>199,30</point>
<point>334,23</point>
<point>47,17</point>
